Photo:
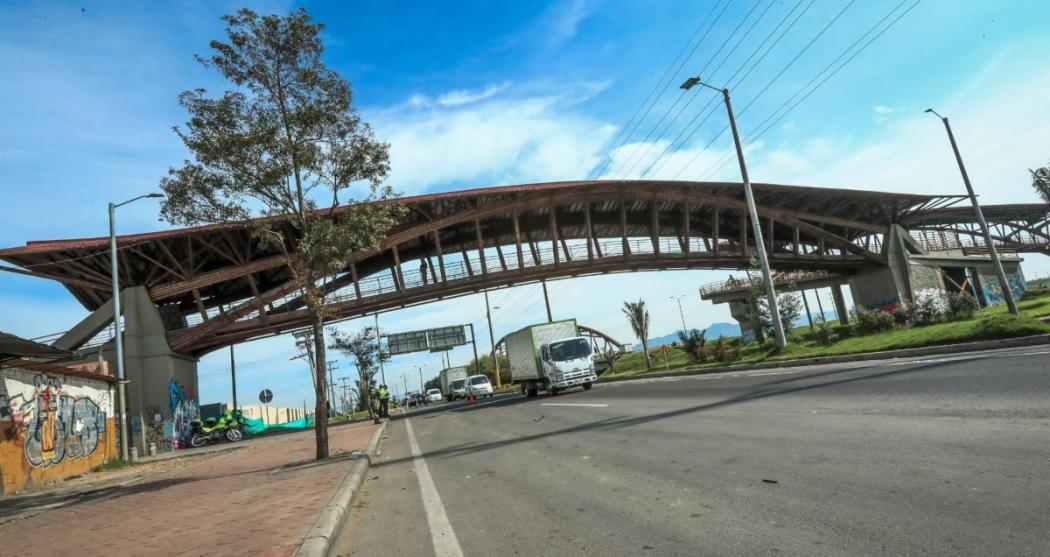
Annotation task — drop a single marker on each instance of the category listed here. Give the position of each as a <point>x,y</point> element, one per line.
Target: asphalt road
<point>937,456</point>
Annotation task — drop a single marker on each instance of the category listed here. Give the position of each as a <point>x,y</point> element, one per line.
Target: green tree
<point>1041,182</point>
<point>285,142</point>
<point>484,366</point>
<point>363,350</point>
<point>638,316</point>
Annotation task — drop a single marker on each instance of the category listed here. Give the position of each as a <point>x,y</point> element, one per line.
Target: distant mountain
<point>729,330</point>
<point>713,331</point>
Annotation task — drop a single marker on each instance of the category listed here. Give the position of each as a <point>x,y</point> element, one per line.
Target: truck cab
<point>567,363</point>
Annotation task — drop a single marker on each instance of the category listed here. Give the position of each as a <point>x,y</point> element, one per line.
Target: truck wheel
<point>553,391</point>
<point>586,386</point>
<point>524,389</point>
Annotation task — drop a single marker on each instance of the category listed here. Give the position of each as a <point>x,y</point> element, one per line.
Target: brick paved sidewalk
<point>258,500</point>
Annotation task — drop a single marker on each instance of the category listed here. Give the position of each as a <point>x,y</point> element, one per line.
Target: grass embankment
<point>987,324</point>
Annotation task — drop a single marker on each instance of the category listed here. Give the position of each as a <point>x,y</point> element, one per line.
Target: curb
<point>976,346</point>
<point>319,537</point>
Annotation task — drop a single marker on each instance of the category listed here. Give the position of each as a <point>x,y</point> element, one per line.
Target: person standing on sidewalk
<point>384,402</point>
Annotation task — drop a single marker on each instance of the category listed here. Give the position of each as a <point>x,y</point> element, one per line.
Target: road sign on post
<point>265,396</point>
<point>434,340</point>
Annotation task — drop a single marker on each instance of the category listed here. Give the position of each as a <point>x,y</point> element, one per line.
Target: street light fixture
<point>760,249</point>
<point>118,334</point>
<point>1008,294</point>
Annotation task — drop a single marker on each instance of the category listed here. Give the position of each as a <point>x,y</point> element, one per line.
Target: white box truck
<point>448,376</point>
<point>550,356</point>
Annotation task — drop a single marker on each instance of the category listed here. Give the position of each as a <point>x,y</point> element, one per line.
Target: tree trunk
<point>320,389</point>
<point>645,348</point>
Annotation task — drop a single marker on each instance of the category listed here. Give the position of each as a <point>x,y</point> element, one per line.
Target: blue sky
<point>471,95</point>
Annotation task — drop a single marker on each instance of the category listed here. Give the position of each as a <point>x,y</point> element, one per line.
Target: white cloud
<point>565,21</point>
<point>464,96</point>
<point>999,141</point>
<point>490,140</point>
<point>882,113</point>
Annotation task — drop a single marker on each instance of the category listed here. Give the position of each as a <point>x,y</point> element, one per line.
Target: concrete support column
<point>738,309</point>
<point>840,304</point>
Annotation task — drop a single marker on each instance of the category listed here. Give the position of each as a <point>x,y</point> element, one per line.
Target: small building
<point>55,421</point>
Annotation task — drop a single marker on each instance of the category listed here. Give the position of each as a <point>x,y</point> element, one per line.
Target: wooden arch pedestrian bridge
<point>215,286</point>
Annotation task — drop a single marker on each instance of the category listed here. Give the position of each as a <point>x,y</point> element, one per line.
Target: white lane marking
<point>770,373</point>
<point>581,404</point>
<point>442,536</point>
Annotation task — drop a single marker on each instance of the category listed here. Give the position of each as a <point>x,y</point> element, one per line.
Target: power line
<point>763,127</point>
<point>703,71</point>
<point>772,81</point>
<point>683,95</point>
<point>625,137</point>
<point>679,138</point>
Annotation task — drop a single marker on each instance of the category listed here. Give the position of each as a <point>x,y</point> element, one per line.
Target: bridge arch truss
<point>217,287</point>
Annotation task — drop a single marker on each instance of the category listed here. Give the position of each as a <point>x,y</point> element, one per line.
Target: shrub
<point>823,333</point>
<point>1007,326</point>
<point>720,351</point>
<point>694,344</point>
<point>872,321</point>
<point>929,306</point>
<point>960,305</point>
<point>904,315</point>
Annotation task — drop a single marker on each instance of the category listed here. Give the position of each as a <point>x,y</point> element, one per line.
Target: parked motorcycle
<point>212,430</point>
<point>245,429</point>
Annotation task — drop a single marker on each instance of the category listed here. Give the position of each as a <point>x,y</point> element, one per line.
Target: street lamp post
<point>122,401</point>
<point>1008,294</point>
<point>492,339</point>
<point>681,313</point>
<point>760,249</point>
<point>421,389</point>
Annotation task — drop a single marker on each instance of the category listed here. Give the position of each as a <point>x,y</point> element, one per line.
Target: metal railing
<point>755,278</point>
<point>456,268</point>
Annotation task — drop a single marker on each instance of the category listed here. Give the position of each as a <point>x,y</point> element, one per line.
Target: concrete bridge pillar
<point>162,384</point>
<point>840,304</point>
<point>739,309</point>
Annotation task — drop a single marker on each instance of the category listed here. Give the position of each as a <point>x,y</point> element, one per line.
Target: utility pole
<point>1004,285</point>
<point>546,301</point>
<point>492,337</point>
<point>346,402</point>
<point>421,389</point>
<point>233,377</point>
<point>752,211</point>
<point>474,339</point>
<point>332,366</point>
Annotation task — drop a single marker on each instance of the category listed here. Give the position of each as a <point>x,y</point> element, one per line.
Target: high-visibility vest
<point>383,393</point>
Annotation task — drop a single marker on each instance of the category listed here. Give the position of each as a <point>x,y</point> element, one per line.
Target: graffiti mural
<point>54,425</point>
<point>184,410</point>
<point>993,292</point>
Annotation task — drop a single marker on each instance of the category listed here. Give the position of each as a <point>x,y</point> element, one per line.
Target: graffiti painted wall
<point>52,426</point>
<point>184,409</point>
<point>993,293</point>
